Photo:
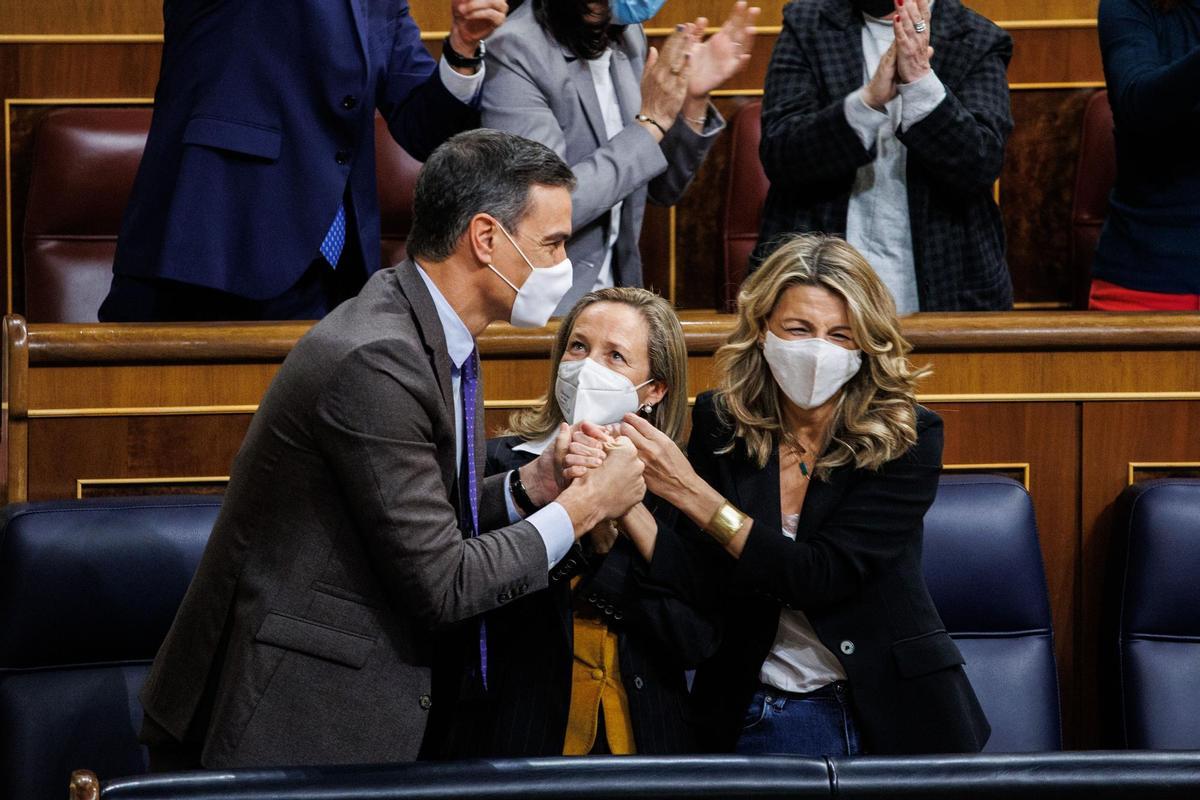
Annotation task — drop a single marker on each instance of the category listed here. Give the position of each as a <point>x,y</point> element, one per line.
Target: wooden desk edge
<point>60,343</point>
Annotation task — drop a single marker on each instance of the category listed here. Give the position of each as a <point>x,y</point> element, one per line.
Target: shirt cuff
<point>553,523</point>
<point>514,513</point>
<point>864,120</point>
<point>920,99</point>
<point>465,88</point>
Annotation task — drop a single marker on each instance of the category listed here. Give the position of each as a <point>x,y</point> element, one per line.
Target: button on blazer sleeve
<point>375,426</point>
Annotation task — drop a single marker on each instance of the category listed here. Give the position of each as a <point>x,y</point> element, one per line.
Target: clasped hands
<point>907,60</point>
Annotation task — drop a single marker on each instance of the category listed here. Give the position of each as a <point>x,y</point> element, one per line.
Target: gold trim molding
<point>139,411</point>
<point>1022,466</point>
<point>189,480</point>
<point>1134,466</point>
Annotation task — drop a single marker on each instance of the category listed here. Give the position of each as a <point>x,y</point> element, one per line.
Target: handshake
<point>595,472</point>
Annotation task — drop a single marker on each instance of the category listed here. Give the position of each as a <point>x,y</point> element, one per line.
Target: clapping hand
<point>725,53</point>
<point>913,52</point>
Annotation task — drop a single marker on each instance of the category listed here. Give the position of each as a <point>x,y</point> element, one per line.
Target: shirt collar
<point>459,341</point>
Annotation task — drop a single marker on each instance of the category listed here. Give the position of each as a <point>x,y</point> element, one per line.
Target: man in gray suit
<point>357,519</point>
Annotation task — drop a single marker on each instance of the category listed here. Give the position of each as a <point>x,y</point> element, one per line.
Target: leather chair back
<point>84,162</point>
<point>88,589</point>
<point>1156,553</point>
<point>745,193</point>
<point>396,176</point>
<point>1094,179</point>
<point>983,566</point>
<point>1029,776</point>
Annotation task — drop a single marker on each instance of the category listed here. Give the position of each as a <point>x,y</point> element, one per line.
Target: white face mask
<point>539,295</point>
<point>810,371</point>
<point>590,392</point>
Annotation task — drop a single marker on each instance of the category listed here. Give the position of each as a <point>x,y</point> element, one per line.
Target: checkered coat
<point>811,154</point>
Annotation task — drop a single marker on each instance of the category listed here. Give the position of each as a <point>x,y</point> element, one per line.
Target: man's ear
<point>481,237</point>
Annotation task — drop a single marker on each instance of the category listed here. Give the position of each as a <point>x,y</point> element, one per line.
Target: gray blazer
<point>537,88</point>
<point>305,637</point>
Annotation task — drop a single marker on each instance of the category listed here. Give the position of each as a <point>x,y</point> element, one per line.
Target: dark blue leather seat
<point>1095,775</point>
<point>983,565</point>
<point>1156,552</point>
<point>88,589</point>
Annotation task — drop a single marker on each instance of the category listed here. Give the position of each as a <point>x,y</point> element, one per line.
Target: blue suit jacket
<point>264,116</point>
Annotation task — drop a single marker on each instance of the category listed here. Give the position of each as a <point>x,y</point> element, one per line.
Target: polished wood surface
<point>1071,404</point>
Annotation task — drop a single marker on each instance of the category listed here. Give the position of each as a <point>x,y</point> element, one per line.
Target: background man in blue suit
<point>256,195</point>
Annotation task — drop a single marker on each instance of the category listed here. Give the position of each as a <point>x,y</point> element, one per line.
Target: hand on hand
<point>668,473</point>
<point>882,88</point>
<point>617,481</point>
<point>725,53</point>
<point>474,21</point>
<point>912,46</point>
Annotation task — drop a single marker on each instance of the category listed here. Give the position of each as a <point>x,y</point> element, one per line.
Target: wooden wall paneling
<point>81,17</point>
<point>173,449</point>
<point>1116,435</point>
<point>1046,437</point>
<point>1033,9</point>
<point>1066,55</point>
<point>1036,190</point>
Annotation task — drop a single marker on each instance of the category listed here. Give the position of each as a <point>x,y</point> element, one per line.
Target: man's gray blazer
<point>538,89</point>
<point>305,636</point>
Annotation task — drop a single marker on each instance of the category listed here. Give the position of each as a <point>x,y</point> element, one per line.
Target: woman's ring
<point>920,26</point>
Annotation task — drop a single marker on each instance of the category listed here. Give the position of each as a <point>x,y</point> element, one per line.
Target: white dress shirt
<point>878,223</point>
<point>798,662</point>
<point>552,522</point>
<point>465,88</point>
<point>610,109</point>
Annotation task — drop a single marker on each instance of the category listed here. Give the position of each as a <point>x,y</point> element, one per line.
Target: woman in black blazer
<point>596,662</point>
<point>811,469</point>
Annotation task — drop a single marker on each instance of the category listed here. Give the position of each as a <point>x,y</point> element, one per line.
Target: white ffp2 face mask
<point>591,392</point>
<point>539,295</point>
<point>810,371</point>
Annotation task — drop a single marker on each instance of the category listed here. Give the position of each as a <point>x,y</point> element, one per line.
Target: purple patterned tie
<point>470,384</point>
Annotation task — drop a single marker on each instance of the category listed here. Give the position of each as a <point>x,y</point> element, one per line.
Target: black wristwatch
<point>462,62</point>
<point>520,497</point>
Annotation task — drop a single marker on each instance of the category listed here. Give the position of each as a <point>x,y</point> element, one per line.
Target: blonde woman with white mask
<point>595,663</point>
<point>808,474</point>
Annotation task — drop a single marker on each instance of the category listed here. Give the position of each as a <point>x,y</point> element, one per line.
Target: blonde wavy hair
<point>875,419</point>
<point>668,364</point>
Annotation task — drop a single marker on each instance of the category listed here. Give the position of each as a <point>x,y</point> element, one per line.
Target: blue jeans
<point>816,723</point>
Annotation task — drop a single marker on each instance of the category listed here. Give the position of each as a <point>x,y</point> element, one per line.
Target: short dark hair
<point>480,171</point>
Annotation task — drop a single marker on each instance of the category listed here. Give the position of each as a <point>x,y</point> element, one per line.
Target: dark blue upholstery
<point>1028,776</point>
<point>88,589</point>
<point>1156,545</point>
<point>983,565</point>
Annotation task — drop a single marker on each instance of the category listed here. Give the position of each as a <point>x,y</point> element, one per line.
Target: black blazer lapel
<point>757,490</point>
<point>820,499</point>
